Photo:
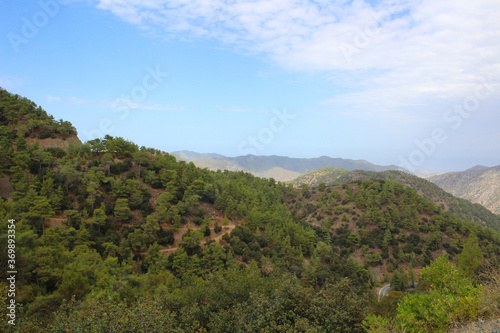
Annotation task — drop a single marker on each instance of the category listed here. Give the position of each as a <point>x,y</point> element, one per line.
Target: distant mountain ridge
<point>479,184</point>
<point>288,167</point>
<point>478,168</point>
<point>190,156</point>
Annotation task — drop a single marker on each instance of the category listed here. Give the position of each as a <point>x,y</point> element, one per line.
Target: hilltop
<point>22,118</point>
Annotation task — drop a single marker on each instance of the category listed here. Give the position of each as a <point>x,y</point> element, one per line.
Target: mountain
<point>289,167</point>
<point>190,156</point>
<point>461,208</point>
<point>302,165</point>
<point>425,173</point>
<point>479,184</point>
<point>328,175</point>
<point>106,227</point>
<point>379,221</point>
<point>216,164</point>
<point>477,168</point>
<point>278,173</point>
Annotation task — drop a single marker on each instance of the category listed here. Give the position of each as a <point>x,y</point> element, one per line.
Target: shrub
<point>197,220</point>
<point>453,297</point>
<point>166,237</point>
<point>44,134</point>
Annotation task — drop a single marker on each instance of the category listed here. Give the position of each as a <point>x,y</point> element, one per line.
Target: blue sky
<point>411,83</point>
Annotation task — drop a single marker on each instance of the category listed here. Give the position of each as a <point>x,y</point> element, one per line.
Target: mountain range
<point>102,222</point>
<point>281,168</point>
<point>480,184</point>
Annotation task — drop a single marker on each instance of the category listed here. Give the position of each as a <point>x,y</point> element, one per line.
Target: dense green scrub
<point>102,268</point>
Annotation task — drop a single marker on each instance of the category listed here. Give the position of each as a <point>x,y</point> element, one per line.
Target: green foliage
<point>373,259</point>
<point>102,314</point>
<point>277,270</point>
<point>399,280</point>
<point>122,211</point>
<point>322,186</point>
<point>451,297</point>
<point>39,211</point>
<point>471,257</point>
<point>388,216</point>
<point>460,208</point>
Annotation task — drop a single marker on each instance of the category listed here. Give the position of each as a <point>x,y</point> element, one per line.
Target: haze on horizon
<point>410,83</point>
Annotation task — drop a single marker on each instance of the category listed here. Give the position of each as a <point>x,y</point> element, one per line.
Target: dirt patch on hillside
<point>56,221</point>
<point>167,250</point>
<point>481,326</point>
<point>6,188</point>
<point>57,142</point>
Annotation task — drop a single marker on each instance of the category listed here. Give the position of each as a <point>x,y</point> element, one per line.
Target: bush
<point>44,134</point>
<point>146,208</point>
<point>93,163</point>
<point>262,241</point>
<point>56,152</point>
<point>239,247</point>
<point>121,167</point>
<point>373,259</point>
<point>243,233</point>
<point>166,237</point>
<point>198,220</point>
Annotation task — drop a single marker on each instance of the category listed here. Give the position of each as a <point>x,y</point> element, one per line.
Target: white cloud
<point>53,98</point>
<point>10,82</point>
<point>392,56</point>
<point>120,104</point>
<point>79,101</point>
<point>239,109</point>
<point>117,104</point>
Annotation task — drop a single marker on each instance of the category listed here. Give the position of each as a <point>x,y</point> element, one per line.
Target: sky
<point>410,83</point>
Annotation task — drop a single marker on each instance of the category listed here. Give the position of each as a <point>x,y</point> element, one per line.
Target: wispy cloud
<point>239,109</point>
<point>145,106</point>
<point>80,101</point>
<point>10,82</point>
<point>114,104</point>
<point>403,53</point>
<point>53,98</point>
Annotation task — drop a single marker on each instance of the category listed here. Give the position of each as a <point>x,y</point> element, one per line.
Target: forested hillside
<point>461,208</point>
<point>386,224</point>
<point>115,237</point>
<point>93,223</point>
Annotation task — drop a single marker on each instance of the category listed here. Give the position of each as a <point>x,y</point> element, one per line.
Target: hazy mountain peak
<point>189,156</point>
<point>477,168</point>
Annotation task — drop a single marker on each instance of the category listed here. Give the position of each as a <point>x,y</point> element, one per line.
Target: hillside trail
<point>225,229</point>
